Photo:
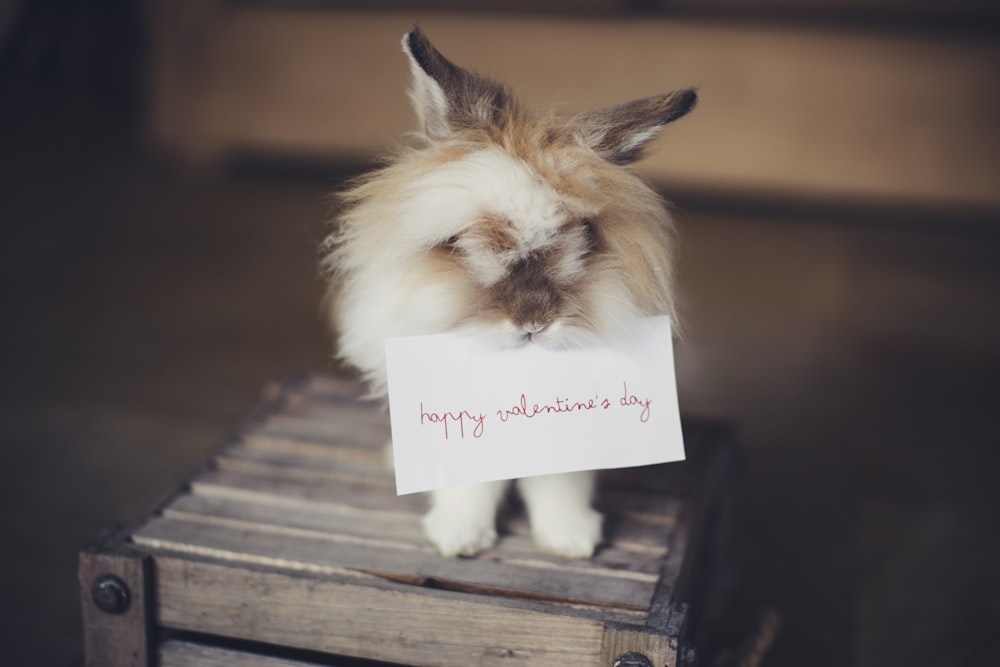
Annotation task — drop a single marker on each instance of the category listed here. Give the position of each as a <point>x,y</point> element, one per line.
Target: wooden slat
<point>313,450</point>
<point>653,507</point>
<point>349,494</point>
<point>372,619</point>
<point>308,401</point>
<point>306,475</point>
<point>404,526</point>
<point>370,463</point>
<point>626,554</point>
<point>176,653</point>
<point>371,431</point>
<point>326,386</point>
<point>316,551</point>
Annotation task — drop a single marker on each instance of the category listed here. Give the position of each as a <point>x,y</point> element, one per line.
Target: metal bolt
<point>110,594</point>
<point>633,660</point>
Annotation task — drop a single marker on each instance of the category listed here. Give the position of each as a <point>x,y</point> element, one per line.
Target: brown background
<point>163,174</point>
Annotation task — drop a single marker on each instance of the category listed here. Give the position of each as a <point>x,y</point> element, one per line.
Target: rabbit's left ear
<point>447,97</point>
<point>619,134</point>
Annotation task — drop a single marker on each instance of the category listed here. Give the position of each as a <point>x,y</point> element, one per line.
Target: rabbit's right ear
<point>446,97</point>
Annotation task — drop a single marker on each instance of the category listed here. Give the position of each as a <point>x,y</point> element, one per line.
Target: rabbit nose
<point>533,310</point>
<point>532,328</point>
<point>527,296</point>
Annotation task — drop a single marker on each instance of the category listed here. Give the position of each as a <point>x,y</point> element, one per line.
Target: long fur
<point>521,229</point>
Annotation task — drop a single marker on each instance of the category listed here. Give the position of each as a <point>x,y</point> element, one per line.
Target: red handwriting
<point>630,399</point>
<point>560,405</point>
<point>465,419</point>
<point>460,418</point>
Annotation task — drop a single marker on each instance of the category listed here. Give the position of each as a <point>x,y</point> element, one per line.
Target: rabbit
<point>519,229</point>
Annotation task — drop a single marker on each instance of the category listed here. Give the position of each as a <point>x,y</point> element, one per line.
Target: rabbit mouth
<point>554,334</point>
<point>532,333</point>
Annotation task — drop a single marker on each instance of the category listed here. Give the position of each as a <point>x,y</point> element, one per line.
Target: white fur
<point>562,520</point>
<point>462,519</point>
<point>486,182</point>
<point>639,139</point>
<point>388,297</point>
<point>427,244</point>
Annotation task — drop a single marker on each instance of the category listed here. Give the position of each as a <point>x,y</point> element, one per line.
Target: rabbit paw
<point>569,536</point>
<point>459,534</point>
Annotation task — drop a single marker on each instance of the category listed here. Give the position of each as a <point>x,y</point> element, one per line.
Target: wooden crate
<point>290,547</point>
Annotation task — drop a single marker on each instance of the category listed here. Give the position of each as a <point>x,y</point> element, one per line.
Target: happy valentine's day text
<point>475,423</point>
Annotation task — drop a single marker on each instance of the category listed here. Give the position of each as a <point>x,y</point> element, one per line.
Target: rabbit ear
<point>447,97</point>
<point>619,134</point>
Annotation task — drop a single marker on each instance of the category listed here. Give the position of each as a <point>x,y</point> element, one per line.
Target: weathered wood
<point>277,487</point>
<point>275,467</point>
<point>350,496</point>
<point>300,448</point>
<point>325,387</point>
<point>362,434</point>
<point>293,536</point>
<point>619,641</point>
<point>366,617</point>
<point>314,551</point>
<point>629,555</point>
<point>176,653</point>
<point>114,592</point>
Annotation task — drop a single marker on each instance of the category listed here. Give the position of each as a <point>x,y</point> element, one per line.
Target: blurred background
<point>164,173</point>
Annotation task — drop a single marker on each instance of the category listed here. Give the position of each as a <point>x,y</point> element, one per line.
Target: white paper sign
<point>462,412</point>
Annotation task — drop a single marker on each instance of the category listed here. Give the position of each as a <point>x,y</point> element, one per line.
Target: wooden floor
<point>145,308</point>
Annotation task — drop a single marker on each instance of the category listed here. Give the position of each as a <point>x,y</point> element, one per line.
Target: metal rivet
<point>110,594</point>
<point>633,660</point>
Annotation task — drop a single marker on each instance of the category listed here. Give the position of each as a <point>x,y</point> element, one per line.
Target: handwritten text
<point>459,417</point>
<point>473,422</point>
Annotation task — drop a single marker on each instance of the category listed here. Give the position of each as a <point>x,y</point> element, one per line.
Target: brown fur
<point>520,229</point>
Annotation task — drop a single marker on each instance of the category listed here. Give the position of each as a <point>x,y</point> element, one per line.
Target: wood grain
<point>619,641</point>
<point>314,551</point>
<point>366,617</point>
<point>176,653</point>
<point>294,536</point>
<point>115,639</point>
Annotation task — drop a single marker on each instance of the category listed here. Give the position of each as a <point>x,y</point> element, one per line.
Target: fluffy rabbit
<point>520,229</point>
